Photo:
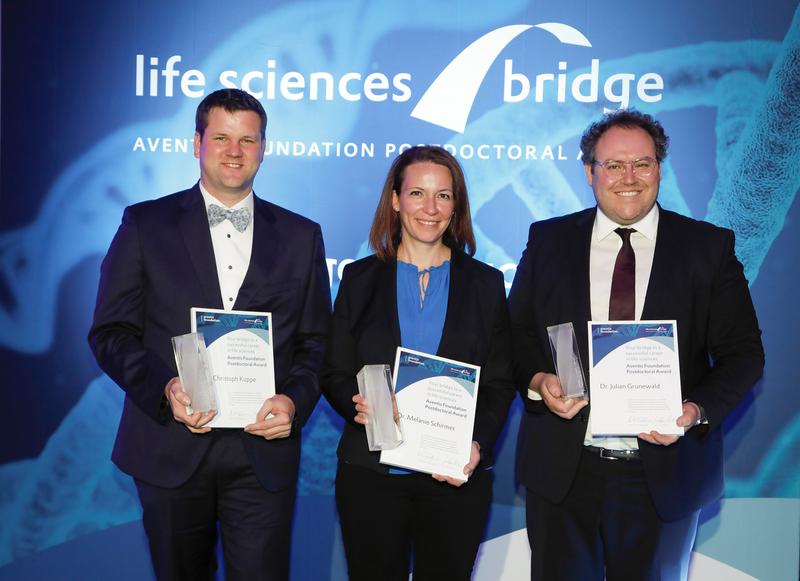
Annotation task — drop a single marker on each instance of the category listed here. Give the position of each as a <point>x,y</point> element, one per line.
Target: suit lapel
<point>455,301</point>
<point>193,226</point>
<point>576,269</point>
<point>388,289</point>
<point>662,273</point>
<point>266,247</point>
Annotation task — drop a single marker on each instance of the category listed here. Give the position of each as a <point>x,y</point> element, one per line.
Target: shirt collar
<point>647,226</point>
<point>246,202</point>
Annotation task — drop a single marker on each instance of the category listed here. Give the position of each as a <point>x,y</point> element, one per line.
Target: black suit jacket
<point>695,279</point>
<point>160,264</point>
<point>366,330</point>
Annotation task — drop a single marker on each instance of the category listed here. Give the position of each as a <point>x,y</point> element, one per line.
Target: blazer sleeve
<point>341,359</point>
<point>734,339</point>
<point>529,355</point>
<point>496,390</point>
<point>118,326</point>
<point>302,383</point>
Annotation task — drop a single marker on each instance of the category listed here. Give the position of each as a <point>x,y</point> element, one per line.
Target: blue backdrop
<point>97,113</point>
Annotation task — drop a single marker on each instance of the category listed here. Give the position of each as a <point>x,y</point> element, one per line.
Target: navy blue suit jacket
<point>160,264</point>
<point>695,279</point>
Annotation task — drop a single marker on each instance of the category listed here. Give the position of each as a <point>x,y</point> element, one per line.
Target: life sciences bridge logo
<point>448,101</point>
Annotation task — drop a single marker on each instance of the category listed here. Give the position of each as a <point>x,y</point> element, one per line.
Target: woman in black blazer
<point>419,287</point>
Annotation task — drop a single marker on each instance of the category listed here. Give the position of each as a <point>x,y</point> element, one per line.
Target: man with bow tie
<point>621,507</point>
<point>215,245</point>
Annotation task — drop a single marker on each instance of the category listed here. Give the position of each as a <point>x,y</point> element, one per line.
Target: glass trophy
<point>383,419</point>
<point>194,371</point>
<point>567,360</point>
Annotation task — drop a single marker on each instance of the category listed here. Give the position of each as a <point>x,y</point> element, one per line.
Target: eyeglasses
<point>642,167</point>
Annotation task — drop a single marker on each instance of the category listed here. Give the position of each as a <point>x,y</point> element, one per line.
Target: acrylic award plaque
<point>567,360</point>
<point>383,420</point>
<point>194,372</point>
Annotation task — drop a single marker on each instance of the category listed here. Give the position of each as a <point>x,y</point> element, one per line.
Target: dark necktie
<point>621,307</point>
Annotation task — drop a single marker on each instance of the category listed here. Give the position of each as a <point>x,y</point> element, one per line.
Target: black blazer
<point>161,263</point>
<point>695,279</point>
<point>366,330</point>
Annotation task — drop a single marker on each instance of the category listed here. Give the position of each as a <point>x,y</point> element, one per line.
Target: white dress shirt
<point>232,249</point>
<point>602,256</point>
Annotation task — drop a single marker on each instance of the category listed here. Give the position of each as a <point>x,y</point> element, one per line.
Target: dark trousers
<point>607,528</point>
<point>181,523</point>
<point>386,516</point>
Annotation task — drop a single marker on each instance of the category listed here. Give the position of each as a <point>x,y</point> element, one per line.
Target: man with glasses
<point>627,507</point>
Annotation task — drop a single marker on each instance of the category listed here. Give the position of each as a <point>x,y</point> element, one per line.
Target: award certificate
<point>436,399</point>
<point>239,346</point>
<point>635,381</point>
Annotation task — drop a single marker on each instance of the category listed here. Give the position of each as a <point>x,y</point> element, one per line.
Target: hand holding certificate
<point>634,378</point>
<point>239,347</point>
<point>436,398</point>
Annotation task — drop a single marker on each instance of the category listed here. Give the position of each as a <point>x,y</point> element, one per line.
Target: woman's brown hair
<point>385,233</point>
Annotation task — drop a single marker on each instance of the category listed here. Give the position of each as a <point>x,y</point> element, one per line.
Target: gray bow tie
<point>239,218</point>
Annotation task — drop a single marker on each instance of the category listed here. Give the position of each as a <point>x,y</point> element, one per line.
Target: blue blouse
<point>422,319</point>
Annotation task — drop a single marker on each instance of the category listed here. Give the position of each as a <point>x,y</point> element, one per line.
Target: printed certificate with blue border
<point>634,376</point>
<point>239,346</point>
<point>436,398</point>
